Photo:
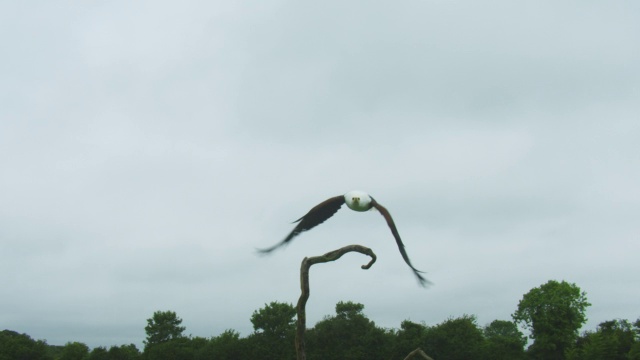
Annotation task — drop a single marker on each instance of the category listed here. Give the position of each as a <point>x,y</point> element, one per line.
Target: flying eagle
<point>357,201</point>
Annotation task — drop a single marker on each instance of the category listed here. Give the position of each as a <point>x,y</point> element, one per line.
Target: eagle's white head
<point>358,200</point>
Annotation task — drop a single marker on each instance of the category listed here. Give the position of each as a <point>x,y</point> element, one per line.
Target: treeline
<point>553,313</point>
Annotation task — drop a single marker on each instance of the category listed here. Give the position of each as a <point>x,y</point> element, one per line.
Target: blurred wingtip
<point>422,280</point>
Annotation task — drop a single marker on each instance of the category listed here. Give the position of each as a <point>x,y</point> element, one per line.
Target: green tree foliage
<point>74,351</point>
<point>55,351</point>
<point>456,338</point>
<point>162,327</point>
<point>178,348</point>
<point>99,353</point>
<point>21,346</point>
<point>612,340</point>
<point>274,332</point>
<point>634,353</point>
<point>504,341</point>
<point>226,346</point>
<point>348,335</point>
<point>553,312</point>
<point>124,352</point>
<point>276,320</point>
<point>409,337</point>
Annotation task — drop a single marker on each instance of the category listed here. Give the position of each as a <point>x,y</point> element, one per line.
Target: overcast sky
<point>148,148</point>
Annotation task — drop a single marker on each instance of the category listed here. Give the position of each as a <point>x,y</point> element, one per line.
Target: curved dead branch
<point>304,286</point>
<point>418,352</point>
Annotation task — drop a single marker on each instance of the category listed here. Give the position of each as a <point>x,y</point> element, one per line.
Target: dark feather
<point>394,231</point>
<point>316,216</point>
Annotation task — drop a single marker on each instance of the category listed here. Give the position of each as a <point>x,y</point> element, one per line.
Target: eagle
<point>356,200</point>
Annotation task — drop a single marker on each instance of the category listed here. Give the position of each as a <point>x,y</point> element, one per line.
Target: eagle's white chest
<point>358,200</point>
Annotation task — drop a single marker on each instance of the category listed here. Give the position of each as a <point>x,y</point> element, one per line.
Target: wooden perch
<point>304,286</point>
<point>418,353</point>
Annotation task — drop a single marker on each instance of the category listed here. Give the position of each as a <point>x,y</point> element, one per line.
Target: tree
<point>99,353</point>
<point>179,348</point>
<point>612,340</point>
<point>634,353</point>
<point>275,320</point>
<point>274,329</point>
<point>348,335</point>
<point>456,339</point>
<point>124,352</point>
<point>226,346</point>
<point>21,346</point>
<point>163,326</point>
<point>553,313</point>
<point>409,337</point>
<point>504,340</point>
<point>74,351</point>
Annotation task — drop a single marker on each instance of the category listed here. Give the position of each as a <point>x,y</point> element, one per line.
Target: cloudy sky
<point>148,148</point>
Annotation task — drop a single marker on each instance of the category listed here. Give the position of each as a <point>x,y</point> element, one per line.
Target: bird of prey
<point>357,201</point>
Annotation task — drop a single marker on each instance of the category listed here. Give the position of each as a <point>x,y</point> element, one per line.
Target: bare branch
<point>304,286</point>
<point>417,352</point>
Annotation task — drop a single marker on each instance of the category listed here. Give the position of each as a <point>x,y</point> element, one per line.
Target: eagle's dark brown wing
<point>394,231</point>
<point>316,216</point>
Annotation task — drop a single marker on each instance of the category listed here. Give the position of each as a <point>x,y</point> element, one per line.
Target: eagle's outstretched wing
<point>316,216</point>
<point>394,231</point>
